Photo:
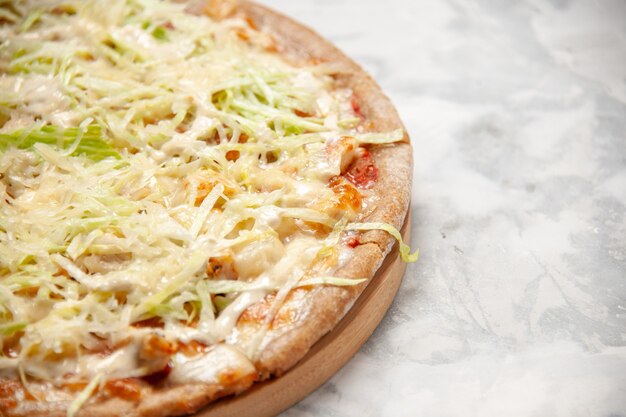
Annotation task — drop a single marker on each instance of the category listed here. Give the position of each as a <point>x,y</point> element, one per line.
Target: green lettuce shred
<point>12,328</point>
<point>92,143</point>
<point>84,396</point>
<point>405,250</point>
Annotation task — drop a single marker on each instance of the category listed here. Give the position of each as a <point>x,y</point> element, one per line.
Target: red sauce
<point>232,155</point>
<point>363,172</point>
<point>301,113</point>
<point>353,242</point>
<point>356,107</point>
<point>151,322</point>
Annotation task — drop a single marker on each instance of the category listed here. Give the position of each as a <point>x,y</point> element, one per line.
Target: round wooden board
<point>328,355</point>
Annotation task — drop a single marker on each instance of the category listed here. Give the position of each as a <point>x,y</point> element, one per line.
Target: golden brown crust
<point>323,307</point>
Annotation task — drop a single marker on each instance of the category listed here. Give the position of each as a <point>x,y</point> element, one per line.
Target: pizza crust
<point>323,307</point>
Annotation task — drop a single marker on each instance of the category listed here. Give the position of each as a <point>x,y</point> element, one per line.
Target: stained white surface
<point>517,113</point>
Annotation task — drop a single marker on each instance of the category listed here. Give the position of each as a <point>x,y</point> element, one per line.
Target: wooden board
<point>328,355</point>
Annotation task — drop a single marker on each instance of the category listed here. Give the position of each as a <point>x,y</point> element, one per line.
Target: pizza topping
<point>376,138</point>
<point>210,366</point>
<point>161,173</point>
<point>353,242</point>
<point>363,172</point>
<point>155,348</point>
<point>221,267</point>
<point>256,256</point>
<point>225,287</point>
<point>348,199</point>
<point>84,395</point>
<point>158,376</point>
<point>125,388</point>
<point>86,140</point>
<point>192,348</point>
<point>257,313</point>
<point>354,102</point>
<point>405,250</point>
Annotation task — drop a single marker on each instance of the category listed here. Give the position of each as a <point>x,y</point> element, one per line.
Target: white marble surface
<point>517,112</point>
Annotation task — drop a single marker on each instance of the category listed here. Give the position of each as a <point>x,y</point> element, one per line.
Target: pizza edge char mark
<point>195,374</point>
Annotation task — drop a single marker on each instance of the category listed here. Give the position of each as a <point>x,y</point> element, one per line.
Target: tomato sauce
<point>363,172</point>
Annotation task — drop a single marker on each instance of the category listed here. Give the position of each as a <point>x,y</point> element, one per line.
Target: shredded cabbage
<point>84,395</point>
<point>88,142</point>
<point>10,329</point>
<point>405,250</point>
<point>380,138</point>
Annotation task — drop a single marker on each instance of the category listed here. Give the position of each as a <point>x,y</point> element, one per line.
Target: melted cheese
<point>211,367</point>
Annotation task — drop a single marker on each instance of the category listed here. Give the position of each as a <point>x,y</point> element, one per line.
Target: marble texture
<point>517,113</point>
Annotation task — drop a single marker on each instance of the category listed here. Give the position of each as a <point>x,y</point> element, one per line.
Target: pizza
<point>191,195</point>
